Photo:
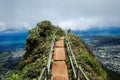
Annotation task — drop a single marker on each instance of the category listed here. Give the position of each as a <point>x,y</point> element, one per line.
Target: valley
<point>9,60</point>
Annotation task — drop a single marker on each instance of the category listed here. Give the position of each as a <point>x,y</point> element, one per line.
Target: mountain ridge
<point>37,51</point>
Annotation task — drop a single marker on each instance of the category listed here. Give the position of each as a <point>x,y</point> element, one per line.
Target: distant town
<point>106,49</point>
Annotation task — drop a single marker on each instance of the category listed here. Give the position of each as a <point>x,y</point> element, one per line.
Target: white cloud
<point>15,28</point>
<point>84,23</point>
<point>2,26</point>
<point>75,14</point>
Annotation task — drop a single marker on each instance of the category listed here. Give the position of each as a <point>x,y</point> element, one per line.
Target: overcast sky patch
<point>74,14</point>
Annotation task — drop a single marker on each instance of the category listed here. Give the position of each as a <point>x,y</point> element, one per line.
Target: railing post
<point>77,72</point>
<point>46,73</point>
<point>73,56</point>
<point>42,72</point>
<point>69,55</point>
<point>50,54</point>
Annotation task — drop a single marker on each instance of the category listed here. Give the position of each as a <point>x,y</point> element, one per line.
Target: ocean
<point>12,41</point>
<point>15,41</point>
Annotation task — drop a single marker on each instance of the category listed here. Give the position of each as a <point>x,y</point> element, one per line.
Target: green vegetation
<point>86,60</point>
<point>15,77</point>
<point>92,68</point>
<point>37,50</point>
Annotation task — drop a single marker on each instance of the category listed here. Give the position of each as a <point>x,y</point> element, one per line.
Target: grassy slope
<point>85,58</point>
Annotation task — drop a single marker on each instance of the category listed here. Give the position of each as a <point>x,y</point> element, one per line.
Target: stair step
<point>59,43</point>
<point>59,54</point>
<point>62,38</point>
<point>59,71</point>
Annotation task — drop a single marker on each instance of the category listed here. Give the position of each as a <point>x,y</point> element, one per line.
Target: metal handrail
<point>79,67</point>
<point>51,52</point>
<point>41,73</point>
<point>73,68</point>
<point>71,51</point>
<point>70,55</point>
<point>47,69</point>
<point>83,73</point>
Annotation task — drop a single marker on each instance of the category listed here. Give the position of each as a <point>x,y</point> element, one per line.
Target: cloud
<point>74,14</point>
<point>20,27</point>
<point>2,26</point>
<point>84,23</point>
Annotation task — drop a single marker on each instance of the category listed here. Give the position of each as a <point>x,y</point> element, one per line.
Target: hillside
<point>37,51</point>
<point>86,60</point>
<point>38,46</point>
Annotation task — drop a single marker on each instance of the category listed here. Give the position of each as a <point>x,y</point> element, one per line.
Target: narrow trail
<point>59,67</point>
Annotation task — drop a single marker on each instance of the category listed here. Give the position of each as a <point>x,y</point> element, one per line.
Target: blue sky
<point>18,15</point>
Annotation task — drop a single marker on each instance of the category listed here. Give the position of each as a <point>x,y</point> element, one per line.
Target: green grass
<point>15,77</point>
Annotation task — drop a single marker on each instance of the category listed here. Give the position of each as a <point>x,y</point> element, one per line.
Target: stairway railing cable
<point>71,50</point>
<point>43,70</point>
<point>73,68</point>
<point>83,73</point>
<point>73,56</point>
<point>46,69</point>
<point>51,53</point>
